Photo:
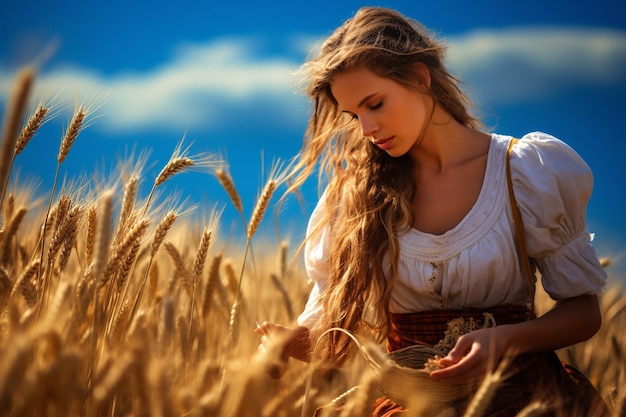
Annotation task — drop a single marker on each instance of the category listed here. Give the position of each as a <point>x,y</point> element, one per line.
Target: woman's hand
<point>473,355</point>
<point>281,342</point>
<point>571,321</point>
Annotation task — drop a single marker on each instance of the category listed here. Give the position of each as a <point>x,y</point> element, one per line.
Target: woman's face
<point>392,116</point>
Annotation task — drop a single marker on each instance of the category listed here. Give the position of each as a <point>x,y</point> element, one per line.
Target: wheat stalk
<point>10,132</point>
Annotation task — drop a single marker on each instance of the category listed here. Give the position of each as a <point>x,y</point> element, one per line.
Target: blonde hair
<point>369,193</point>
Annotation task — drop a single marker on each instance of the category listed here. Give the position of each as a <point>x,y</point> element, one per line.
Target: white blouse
<point>475,264</point>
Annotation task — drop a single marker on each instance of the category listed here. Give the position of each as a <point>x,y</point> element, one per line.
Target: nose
<point>369,126</point>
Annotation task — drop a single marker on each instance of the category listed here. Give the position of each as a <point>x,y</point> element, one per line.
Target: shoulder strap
<point>520,238</point>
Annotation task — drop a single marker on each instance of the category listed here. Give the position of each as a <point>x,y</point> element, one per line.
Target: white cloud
<point>514,65</point>
<point>224,82</point>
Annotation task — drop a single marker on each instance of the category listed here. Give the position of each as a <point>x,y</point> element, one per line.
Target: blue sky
<point>220,75</point>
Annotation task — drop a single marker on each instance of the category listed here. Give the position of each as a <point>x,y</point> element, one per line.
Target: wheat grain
<point>228,184</point>
<point>105,207</point>
<point>261,207</point>
<point>9,206</point>
<point>234,326</point>
<point>34,123</point>
<point>212,283</point>
<point>181,269</point>
<point>201,254</point>
<point>231,277</point>
<point>6,285</point>
<point>71,133</point>
<point>9,233</point>
<point>68,243</point>
<point>161,231</point>
<point>124,269</point>
<point>128,201</point>
<point>90,237</point>
<point>24,284</point>
<point>174,166</point>
<point>122,249</point>
<point>62,207</point>
<point>66,230</point>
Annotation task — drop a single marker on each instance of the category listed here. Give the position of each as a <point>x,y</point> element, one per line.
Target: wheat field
<point>116,305</point>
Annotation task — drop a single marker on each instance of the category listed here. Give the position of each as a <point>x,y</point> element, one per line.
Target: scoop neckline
<point>479,217</point>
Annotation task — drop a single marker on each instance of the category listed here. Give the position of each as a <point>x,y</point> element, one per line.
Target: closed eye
<point>377,105</point>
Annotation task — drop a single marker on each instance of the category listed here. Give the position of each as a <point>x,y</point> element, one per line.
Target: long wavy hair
<point>368,193</point>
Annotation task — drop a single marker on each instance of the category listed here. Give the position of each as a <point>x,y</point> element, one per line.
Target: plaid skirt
<point>536,376</point>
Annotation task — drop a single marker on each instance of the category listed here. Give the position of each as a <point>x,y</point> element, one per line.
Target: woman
<point>415,226</point>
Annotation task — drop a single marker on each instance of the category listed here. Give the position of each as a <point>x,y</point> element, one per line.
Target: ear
<point>422,74</point>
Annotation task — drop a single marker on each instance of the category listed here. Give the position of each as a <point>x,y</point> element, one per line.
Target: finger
<point>457,353</point>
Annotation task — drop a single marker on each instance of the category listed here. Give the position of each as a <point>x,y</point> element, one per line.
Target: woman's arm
<point>572,321</point>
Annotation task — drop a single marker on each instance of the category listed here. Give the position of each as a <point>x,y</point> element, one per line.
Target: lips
<point>384,143</point>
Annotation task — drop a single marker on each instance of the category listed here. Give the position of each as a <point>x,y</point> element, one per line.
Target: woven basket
<point>404,380</point>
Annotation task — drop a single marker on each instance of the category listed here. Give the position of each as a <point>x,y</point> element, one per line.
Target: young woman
<point>415,225</point>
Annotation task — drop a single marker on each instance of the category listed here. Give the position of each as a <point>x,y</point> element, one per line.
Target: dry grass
<point>95,320</point>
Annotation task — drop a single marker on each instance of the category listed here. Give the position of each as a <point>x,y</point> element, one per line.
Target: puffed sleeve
<point>552,186</point>
<point>316,265</point>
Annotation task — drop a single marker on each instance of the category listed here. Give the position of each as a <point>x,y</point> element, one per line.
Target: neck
<point>445,142</point>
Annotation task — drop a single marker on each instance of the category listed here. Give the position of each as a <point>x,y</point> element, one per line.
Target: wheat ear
<point>71,133</point>
<point>482,398</point>
<point>9,232</point>
<point>24,284</point>
<point>122,249</point>
<point>181,269</point>
<point>90,237</point>
<point>228,184</point>
<point>161,231</point>
<point>6,285</point>
<point>278,283</point>
<point>159,236</point>
<point>34,123</point>
<point>212,283</point>
<point>12,123</point>
<point>261,207</point>
<point>128,203</point>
